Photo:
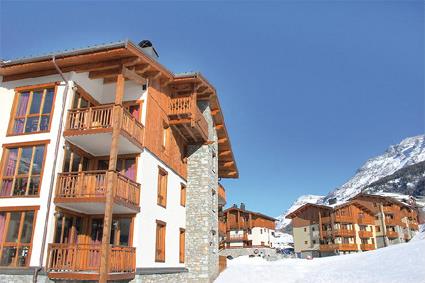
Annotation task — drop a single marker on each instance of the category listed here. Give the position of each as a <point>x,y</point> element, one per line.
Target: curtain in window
<point>2,223</point>
<point>21,110</point>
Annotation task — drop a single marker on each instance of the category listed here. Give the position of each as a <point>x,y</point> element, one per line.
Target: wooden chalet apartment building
<point>242,228</point>
<point>108,163</point>
<point>365,222</point>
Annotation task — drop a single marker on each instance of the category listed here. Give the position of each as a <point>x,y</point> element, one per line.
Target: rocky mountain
<point>399,171</point>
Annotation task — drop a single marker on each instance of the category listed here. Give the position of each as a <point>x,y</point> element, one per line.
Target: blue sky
<point>310,89</point>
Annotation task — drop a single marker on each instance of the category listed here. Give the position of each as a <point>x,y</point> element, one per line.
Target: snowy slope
<point>283,222</point>
<point>408,152</point>
<point>394,264</point>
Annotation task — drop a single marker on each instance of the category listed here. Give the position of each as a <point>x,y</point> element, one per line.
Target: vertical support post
<point>384,227</point>
<point>107,221</point>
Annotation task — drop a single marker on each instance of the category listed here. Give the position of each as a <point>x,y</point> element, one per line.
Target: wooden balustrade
<point>328,247</point>
<point>344,218</point>
<point>101,118</point>
<point>344,233</point>
<point>92,184</point>
<point>347,247</point>
<point>367,247</point>
<point>366,221</point>
<point>392,234</point>
<point>181,106</point>
<point>85,258</point>
<point>187,119</point>
<point>365,234</point>
<point>391,221</point>
<point>414,226</point>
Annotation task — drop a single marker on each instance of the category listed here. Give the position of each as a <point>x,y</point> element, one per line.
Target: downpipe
<point>52,177</point>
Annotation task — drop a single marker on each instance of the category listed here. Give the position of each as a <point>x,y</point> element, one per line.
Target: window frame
<point>182,245</point>
<point>183,188</point>
<point>160,239</point>
<point>162,187</point>
<point>18,245</point>
<point>7,147</point>
<point>31,89</point>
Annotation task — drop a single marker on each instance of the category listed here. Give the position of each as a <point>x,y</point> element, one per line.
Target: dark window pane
<point>27,227</point>
<point>38,160</point>
<point>75,162</point>
<point>124,231</point>
<point>10,165</point>
<point>44,123</point>
<point>23,259</point>
<point>103,165</point>
<point>84,103</point>
<point>13,231</point>
<point>21,110</point>
<point>36,102</point>
<point>85,164</point>
<point>18,126</point>
<point>32,124</point>
<point>25,161</point>
<point>8,254</point>
<point>67,160</point>
<point>20,186</point>
<point>34,185</point>
<point>48,101</point>
<point>58,229</point>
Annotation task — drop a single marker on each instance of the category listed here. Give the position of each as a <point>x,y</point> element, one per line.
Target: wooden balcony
<point>367,247</point>
<point>328,247</point>
<point>222,228</point>
<point>388,209</point>
<point>392,222</point>
<point>365,234</point>
<point>347,247</point>
<point>236,238</point>
<point>91,129</point>
<point>82,262</point>
<point>326,219</point>
<point>186,118</point>
<point>221,195</point>
<point>365,221</point>
<point>392,234</point>
<point>414,226</point>
<point>344,218</point>
<point>344,233</point>
<point>86,192</point>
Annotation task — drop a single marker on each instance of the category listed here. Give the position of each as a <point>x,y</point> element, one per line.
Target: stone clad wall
<point>202,207</point>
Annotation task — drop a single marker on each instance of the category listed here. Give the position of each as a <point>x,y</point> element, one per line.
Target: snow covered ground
<point>394,264</point>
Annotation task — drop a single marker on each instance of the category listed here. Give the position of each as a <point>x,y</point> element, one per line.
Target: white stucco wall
<point>261,235</point>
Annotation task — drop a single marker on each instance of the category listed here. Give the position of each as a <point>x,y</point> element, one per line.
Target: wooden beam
<point>227,164</point>
<point>104,73</point>
<point>215,111</point>
<point>219,127</point>
<point>224,153</point>
<point>152,74</point>
<point>132,75</point>
<point>223,140</point>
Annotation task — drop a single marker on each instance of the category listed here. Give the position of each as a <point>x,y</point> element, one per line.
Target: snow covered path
<point>396,264</point>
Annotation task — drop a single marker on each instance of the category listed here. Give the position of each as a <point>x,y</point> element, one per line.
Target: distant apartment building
<point>365,222</point>
<point>109,169</point>
<point>247,229</point>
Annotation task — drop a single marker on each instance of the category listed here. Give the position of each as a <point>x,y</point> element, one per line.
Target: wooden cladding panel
<point>156,115</point>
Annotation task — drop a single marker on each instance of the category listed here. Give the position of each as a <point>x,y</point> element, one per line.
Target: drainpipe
<point>52,178</point>
<point>384,227</point>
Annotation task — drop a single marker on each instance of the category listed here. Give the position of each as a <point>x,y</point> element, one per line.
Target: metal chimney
<point>242,206</point>
<point>148,48</point>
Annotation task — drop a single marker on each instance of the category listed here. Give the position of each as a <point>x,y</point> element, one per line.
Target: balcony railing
<point>86,185</point>
<point>237,238</point>
<point>328,247</point>
<point>101,119</point>
<point>392,234</point>
<point>344,233</point>
<point>84,260</point>
<point>185,114</point>
<point>390,221</point>
<point>365,221</point>
<point>367,247</point>
<point>344,218</point>
<point>413,226</point>
<point>365,234</point>
<point>347,247</point>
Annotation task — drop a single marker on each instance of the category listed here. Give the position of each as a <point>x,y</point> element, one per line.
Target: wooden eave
<point>258,214</point>
<point>302,208</point>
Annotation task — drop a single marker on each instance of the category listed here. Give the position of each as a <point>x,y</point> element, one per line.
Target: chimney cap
<point>147,46</point>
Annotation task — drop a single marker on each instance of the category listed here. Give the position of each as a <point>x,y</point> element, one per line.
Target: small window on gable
<point>182,194</point>
<point>162,187</point>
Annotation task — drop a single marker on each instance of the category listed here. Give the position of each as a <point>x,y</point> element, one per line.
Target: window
<point>165,133</point>
<point>306,242</point>
<point>125,165</point>
<point>22,170</point>
<point>312,228</point>
<point>182,246</point>
<point>314,242</point>
<point>32,110</point>
<point>160,241</point>
<point>81,101</point>
<point>378,229</point>
<point>305,229</point>
<point>182,195</point>
<point>74,160</point>
<point>162,187</point>
<point>16,237</point>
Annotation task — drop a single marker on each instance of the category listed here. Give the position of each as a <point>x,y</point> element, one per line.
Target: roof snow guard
<point>105,60</point>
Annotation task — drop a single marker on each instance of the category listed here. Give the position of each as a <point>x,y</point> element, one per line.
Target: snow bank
<point>395,264</point>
